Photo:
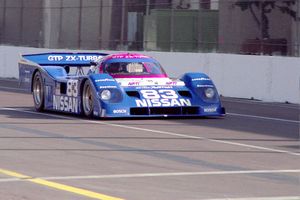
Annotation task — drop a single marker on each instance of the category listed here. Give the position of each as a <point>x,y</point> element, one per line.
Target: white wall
<point>267,78</point>
<point>9,57</point>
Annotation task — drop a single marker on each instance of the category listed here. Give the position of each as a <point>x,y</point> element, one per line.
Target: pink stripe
<point>139,76</point>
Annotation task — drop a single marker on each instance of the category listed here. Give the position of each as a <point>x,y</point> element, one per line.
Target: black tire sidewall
<point>40,106</point>
<point>90,113</point>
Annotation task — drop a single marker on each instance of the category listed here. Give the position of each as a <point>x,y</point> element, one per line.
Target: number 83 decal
<point>157,94</point>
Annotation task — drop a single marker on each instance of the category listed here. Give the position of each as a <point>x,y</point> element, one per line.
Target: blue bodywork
<point>63,90</point>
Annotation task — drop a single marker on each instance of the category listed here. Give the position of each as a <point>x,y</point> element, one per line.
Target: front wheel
<point>87,99</point>
<point>38,91</point>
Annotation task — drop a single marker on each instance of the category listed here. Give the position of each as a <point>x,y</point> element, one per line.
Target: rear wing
<point>54,64</point>
<point>62,59</point>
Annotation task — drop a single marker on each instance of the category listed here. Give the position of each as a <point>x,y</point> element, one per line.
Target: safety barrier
<point>267,78</point>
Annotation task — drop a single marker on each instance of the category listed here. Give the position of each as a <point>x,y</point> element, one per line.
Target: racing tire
<point>87,99</point>
<point>38,92</point>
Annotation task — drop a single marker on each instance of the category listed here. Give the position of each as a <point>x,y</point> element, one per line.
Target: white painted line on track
<point>143,175</point>
<point>266,118</point>
<point>11,88</point>
<point>9,179</point>
<point>9,79</point>
<point>262,198</point>
<point>159,132</point>
<point>175,174</point>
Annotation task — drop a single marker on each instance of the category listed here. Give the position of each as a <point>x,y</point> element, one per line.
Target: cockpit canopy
<point>132,67</point>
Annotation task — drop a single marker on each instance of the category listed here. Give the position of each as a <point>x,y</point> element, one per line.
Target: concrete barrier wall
<point>267,78</point>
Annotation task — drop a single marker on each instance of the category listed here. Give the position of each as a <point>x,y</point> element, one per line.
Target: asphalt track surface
<point>252,153</point>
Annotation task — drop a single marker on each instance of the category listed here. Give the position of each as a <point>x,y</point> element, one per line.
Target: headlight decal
<point>207,94</point>
<point>110,95</point>
<point>105,95</point>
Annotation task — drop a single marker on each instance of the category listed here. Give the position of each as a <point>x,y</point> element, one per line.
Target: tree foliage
<point>265,7</point>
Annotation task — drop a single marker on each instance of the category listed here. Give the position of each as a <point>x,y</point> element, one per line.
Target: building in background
<point>154,25</point>
<point>21,22</point>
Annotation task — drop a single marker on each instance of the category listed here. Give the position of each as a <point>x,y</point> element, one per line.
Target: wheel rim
<point>87,99</point>
<point>37,90</point>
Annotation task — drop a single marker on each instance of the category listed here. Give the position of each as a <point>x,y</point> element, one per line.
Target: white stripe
<point>174,174</point>
<point>12,88</point>
<point>9,80</point>
<point>142,175</point>
<point>161,132</point>
<point>260,117</point>
<point>9,179</point>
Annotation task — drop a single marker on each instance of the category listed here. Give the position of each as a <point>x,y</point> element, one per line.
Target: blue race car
<point>117,85</point>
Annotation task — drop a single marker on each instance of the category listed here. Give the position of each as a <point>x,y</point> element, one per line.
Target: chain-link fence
<point>227,26</point>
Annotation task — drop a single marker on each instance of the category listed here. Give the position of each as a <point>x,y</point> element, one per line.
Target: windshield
<point>133,68</point>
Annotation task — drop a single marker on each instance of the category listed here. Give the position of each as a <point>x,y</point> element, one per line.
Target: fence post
<point>172,28</point>
<point>60,24</point>
<point>297,53</point>
<point>21,23</point>
<point>199,23</point>
<point>2,33</point>
<point>123,25</point>
<point>79,24</point>
<point>100,25</point>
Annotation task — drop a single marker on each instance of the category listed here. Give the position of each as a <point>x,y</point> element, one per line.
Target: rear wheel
<point>87,99</point>
<point>38,91</point>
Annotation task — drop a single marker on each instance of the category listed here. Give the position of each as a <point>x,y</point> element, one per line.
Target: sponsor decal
<point>107,87</point>
<point>133,83</point>
<point>104,80</point>
<point>148,82</point>
<point>171,83</point>
<point>211,86</point>
<point>73,58</point>
<point>210,109</point>
<point>119,111</point>
<point>129,56</point>
<point>162,102</point>
<point>55,58</point>
<point>68,102</point>
<point>65,103</point>
<point>163,97</point>
<point>201,79</point>
<point>154,87</point>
